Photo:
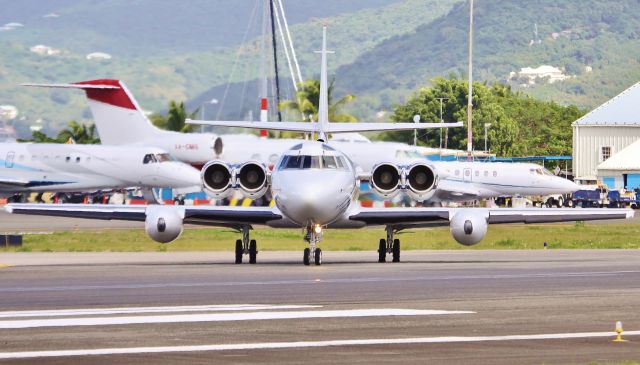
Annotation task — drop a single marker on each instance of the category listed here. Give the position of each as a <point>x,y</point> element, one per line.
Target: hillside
<point>158,72</point>
<point>600,34</point>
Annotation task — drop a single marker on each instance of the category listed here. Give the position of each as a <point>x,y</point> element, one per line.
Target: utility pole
<point>486,127</point>
<point>470,97</point>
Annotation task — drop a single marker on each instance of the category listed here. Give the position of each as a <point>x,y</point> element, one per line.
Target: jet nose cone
<point>188,176</point>
<point>571,186</point>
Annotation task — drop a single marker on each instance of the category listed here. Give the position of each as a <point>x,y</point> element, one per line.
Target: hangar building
<point>622,170</point>
<point>604,132</point>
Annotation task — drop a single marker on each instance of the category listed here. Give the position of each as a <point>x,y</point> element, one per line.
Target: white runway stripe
<point>302,344</point>
<point>218,317</point>
<point>141,310</point>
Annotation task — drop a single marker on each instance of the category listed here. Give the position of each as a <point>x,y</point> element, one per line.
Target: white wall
<point>588,140</point>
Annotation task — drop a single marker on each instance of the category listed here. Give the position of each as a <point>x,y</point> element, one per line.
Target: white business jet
<point>40,167</point>
<point>315,187</point>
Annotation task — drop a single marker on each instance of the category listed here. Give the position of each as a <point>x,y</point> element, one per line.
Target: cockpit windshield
<point>312,162</point>
<point>541,171</point>
<point>157,158</point>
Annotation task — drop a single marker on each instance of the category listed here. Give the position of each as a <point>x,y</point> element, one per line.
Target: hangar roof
<point>626,159</point>
<point>622,109</point>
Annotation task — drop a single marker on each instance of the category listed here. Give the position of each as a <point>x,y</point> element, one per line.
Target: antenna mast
<point>275,59</point>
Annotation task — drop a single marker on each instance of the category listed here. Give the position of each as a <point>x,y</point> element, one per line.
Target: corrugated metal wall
<point>587,141</point>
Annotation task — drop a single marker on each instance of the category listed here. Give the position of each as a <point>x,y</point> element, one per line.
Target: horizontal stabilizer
<point>330,128</point>
<point>73,86</point>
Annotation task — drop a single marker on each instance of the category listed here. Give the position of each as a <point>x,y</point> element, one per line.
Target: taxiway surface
<point>435,307</point>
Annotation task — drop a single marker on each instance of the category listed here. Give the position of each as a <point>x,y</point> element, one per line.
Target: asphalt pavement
<point>453,307</point>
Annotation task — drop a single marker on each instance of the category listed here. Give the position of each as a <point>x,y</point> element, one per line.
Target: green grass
<point>578,236</point>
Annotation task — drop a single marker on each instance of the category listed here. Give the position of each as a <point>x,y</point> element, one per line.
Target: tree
<point>308,100</point>
<point>175,118</point>
<point>520,125</point>
<point>79,133</point>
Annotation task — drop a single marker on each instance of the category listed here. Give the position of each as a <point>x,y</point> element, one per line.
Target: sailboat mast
<point>275,59</point>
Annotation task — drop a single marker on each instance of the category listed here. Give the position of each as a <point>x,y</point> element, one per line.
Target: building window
<point>605,153</point>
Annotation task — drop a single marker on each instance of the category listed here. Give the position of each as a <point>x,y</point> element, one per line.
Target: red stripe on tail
<point>115,97</point>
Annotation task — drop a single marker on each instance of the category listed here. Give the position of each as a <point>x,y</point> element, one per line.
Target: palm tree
<point>308,100</point>
<point>78,133</point>
<point>175,118</point>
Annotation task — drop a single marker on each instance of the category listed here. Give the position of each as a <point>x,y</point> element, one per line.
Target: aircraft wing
<point>402,218</point>
<point>11,182</point>
<point>331,127</point>
<point>448,190</point>
<point>202,214</point>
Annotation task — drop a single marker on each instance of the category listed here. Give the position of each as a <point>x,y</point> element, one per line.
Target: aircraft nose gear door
<point>8,162</point>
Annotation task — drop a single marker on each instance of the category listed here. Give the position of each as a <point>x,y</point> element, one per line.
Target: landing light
<point>317,229</point>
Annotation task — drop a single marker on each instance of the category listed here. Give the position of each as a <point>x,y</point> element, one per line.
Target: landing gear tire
<point>306,258</point>
<point>396,250</point>
<point>318,257</point>
<point>253,251</point>
<point>239,251</point>
<point>382,250</point>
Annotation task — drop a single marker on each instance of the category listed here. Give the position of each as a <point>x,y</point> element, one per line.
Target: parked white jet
<point>40,167</point>
<point>315,186</point>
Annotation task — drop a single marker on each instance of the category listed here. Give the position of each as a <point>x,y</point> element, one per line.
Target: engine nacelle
<point>164,224</point>
<point>386,180</point>
<point>251,178</point>
<point>420,180</point>
<point>469,228</point>
<point>217,179</point>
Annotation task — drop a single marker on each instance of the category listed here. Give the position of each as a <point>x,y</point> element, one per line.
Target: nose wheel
<point>246,246</point>
<point>313,253</point>
<point>389,246</point>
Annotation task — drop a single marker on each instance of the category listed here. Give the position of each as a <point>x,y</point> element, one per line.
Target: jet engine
<point>385,180</point>
<point>469,228</point>
<point>420,180</point>
<point>217,179</point>
<point>164,224</point>
<point>252,179</point>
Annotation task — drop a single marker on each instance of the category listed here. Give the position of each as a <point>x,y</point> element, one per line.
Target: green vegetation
<point>175,119</point>
<point>164,54</point>
<point>74,133</point>
<point>520,124</point>
<point>600,34</point>
<point>618,236</point>
<point>307,102</point>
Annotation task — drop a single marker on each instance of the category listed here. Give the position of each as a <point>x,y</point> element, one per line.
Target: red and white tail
<point>117,115</point>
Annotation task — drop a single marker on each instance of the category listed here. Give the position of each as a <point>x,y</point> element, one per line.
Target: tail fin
<point>118,117</point>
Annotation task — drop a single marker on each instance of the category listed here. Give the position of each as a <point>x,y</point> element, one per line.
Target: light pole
<point>486,127</point>
<point>441,120</point>
<point>416,119</point>
<point>202,114</point>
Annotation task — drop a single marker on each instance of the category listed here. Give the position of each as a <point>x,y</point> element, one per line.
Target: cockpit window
<point>149,158</point>
<point>541,171</point>
<point>312,162</point>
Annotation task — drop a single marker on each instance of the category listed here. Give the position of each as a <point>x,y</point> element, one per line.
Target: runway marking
<point>306,344</point>
<point>320,281</point>
<point>4,266</point>
<point>140,310</point>
<point>220,317</point>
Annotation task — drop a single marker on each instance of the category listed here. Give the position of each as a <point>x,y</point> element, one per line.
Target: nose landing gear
<point>389,245</point>
<point>313,237</point>
<point>245,246</point>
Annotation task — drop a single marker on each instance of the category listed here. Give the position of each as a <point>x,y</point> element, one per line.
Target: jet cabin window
<point>312,162</point>
<point>157,158</point>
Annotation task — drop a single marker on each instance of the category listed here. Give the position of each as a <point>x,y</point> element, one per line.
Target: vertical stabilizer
<point>323,107</point>
<point>117,115</point>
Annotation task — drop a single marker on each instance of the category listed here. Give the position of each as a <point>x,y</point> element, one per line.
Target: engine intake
<point>217,179</point>
<point>252,179</point>
<point>421,180</point>
<point>385,179</point>
<point>164,224</point>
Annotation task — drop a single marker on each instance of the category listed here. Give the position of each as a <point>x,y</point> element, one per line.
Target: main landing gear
<point>245,246</point>
<point>390,245</point>
<point>313,253</point>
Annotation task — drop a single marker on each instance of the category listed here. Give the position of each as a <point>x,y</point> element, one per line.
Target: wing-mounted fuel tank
<point>418,180</point>
<point>221,180</point>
